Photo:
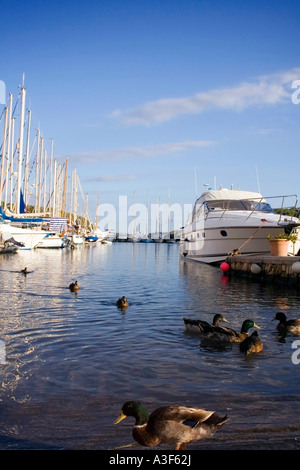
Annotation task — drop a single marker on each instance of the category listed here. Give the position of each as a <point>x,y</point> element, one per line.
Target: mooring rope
<point>263,221</point>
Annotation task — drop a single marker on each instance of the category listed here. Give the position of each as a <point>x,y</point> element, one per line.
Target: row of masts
<point>40,179</point>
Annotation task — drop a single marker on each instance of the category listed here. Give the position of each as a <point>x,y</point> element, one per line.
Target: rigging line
<point>263,221</point>
<point>14,109</point>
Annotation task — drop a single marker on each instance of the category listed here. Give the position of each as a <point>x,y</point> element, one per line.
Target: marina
<point>73,358</point>
<point>150,229</point>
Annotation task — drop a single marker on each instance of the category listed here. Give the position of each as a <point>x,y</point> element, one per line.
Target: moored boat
<point>231,221</point>
<point>28,237</point>
<point>52,240</point>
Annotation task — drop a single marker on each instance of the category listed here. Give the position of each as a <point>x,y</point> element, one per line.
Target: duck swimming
<point>228,335</point>
<point>252,344</point>
<point>287,326</point>
<point>168,424</point>
<point>74,286</point>
<point>201,326</point>
<point>122,302</point>
<point>24,271</point>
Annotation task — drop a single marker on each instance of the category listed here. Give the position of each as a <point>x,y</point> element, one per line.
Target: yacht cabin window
<point>238,205</point>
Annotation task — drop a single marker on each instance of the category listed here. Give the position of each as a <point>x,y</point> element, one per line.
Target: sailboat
<point>30,223</point>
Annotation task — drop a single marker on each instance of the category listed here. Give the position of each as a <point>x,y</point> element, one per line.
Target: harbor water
<point>72,359</point>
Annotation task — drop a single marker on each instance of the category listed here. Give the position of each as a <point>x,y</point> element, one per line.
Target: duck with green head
<point>228,335</point>
<point>175,424</point>
<point>201,326</point>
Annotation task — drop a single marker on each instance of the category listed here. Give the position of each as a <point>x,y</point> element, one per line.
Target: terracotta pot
<point>279,247</point>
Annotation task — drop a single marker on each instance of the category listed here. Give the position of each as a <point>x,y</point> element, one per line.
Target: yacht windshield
<point>239,205</point>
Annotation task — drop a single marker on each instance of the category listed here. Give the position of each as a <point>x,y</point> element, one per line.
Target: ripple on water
<point>73,359</point>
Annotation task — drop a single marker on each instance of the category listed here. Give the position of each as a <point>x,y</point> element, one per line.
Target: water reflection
<point>73,359</point>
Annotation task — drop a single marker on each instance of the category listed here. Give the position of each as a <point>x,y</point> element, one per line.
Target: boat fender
<point>225,266</point>
<point>255,268</point>
<point>296,267</point>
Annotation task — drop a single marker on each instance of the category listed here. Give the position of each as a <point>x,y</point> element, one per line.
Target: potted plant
<point>279,244</point>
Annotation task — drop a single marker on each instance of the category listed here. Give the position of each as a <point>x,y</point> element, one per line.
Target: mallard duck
<point>201,326</point>
<point>169,424</point>
<point>74,286</point>
<point>122,302</point>
<point>228,335</point>
<point>287,326</point>
<point>252,344</point>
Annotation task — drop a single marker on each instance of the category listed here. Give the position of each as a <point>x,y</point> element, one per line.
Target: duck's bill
<point>119,418</point>
<point>256,326</point>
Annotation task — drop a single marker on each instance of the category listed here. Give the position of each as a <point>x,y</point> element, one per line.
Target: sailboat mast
<point>20,148</point>
<point>97,208</point>
<point>36,196</point>
<point>45,182</point>
<point>64,190</point>
<point>40,172</point>
<point>26,167</point>
<point>9,123</point>
<point>3,153</point>
<point>11,163</point>
<point>75,197</point>
<point>50,208</point>
<point>54,189</point>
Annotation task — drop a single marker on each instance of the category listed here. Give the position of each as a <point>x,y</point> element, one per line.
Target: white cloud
<point>112,178</point>
<point>140,152</point>
<point>267,131</point>
<point>266,90</point>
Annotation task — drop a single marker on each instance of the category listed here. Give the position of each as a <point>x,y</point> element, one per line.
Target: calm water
<point>73,359</point>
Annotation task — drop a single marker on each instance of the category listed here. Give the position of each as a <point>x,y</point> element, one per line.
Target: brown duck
<point>252,344</point>
<point>74,286</point>
<point>122,302</point>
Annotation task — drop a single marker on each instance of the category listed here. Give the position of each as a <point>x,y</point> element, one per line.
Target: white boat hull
<point>51,241</point>
<point>216,249</point>
<point>214,233</point>
<point>30,238</point>
<point>75,241</point>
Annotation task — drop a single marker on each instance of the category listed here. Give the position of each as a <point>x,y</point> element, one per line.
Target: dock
<point>282,269</point>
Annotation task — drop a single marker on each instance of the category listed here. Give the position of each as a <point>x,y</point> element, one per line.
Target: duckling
<point>175,425</point>
<point>122,302</point>
<point>201,326</point>
<point>252,344</point>
<point>228,335</point>
<point>287,326</point>
<point>74,286</point>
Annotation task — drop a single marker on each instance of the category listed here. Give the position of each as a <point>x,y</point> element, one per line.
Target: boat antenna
<point>258,185</point>
<point>196,189</point>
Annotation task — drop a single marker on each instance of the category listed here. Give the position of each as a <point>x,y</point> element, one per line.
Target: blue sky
<point>153,99</point>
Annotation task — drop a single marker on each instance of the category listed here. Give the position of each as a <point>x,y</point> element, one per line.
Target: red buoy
<point>224,266</point>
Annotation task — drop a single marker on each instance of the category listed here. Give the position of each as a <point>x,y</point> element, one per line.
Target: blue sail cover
<point>23,208</point>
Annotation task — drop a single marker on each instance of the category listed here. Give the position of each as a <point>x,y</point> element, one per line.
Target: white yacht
<point>52,240</point>
<point>227,221</point>
<point>29,238</point>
